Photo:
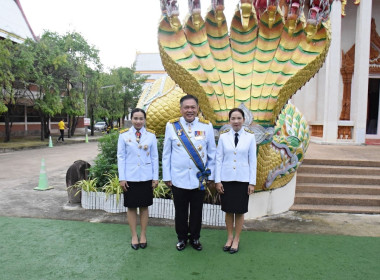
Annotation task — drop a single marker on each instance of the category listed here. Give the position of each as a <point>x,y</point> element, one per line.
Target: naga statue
<point>270,51</point>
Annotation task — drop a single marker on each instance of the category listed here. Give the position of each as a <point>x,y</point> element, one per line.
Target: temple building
<point>13,22</point>
<point>341,103</point>
<point>149,64</point>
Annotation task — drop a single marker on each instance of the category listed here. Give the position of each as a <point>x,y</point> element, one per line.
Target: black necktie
<point>236,138</point>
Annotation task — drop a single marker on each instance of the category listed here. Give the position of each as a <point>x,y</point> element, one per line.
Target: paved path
<point>343,152</point>
<point>19,174</point>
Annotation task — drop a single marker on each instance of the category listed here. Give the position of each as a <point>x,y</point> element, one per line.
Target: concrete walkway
<point>20,173</point>
<point>343,152</point>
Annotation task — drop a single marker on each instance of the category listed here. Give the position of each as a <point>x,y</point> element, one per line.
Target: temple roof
<point>13,22</point>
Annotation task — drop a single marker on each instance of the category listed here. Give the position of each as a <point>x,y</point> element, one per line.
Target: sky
<point>117,28</point>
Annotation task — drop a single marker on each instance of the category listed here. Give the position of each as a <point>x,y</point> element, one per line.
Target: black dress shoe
<point>135,246</point>
<point>234,250</point>
<point>196,244</point>
<point>226,248</point>
<point>143,245</point>
<point>181,245</point>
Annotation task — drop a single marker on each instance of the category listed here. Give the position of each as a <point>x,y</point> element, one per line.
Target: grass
<point>51,249</point>
<point>19,143</point>
<point>23,142</point>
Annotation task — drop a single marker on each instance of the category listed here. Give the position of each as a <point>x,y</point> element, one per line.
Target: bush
<point>106,161</point>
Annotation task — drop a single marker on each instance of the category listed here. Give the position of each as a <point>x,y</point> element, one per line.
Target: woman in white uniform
<point>235,175</point>
<point>137,159</point>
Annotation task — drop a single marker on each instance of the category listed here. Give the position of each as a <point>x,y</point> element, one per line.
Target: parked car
<point>100,126</point>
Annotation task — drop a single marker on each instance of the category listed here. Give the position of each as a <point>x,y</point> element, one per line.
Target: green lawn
<point>52,249</point>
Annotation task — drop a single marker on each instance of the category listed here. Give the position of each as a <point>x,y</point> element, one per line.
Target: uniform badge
<point>179,132</point>
<point>145,147</point>
<point>200,148</point>
<point>199,135</point>
<point>140,146</point>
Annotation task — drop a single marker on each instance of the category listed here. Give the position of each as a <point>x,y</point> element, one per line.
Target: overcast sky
<point>118,28</point>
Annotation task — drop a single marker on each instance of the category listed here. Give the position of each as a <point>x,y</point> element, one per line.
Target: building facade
<point>341,103</point>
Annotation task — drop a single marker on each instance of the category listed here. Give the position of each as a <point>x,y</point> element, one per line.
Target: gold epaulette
<point>224,131</point>
<point>151,131</point>
<point>174,120</point>
<point>249,131</point>
<point>202,120</point>
<point>123,130</point>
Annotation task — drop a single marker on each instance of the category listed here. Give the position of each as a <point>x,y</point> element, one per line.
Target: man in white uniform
<point>188,162</point>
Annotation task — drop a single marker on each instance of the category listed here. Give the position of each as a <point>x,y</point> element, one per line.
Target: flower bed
<point>161,208</point>
<point>164,208</point>
<point>99,201</point>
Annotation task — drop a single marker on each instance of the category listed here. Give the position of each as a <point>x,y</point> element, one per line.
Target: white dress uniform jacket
<point>137,162</point>
<point>236,163</point>
<point>177,166</point>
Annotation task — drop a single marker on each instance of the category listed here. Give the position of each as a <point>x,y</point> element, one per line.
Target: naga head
<point>195,12</point>
<point>294,11</point>
<point>218,8</point>
<point>169,8</point>
<point>272,10</point>
<point>318,11</point>
<point>269,6</point>
<point>246,11</point>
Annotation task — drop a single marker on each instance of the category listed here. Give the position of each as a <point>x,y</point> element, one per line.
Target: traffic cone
<point>50,142</point>
<point>86,141</point>
<point>43,182</point>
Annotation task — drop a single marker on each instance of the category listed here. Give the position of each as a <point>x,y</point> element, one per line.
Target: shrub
<point>106,160</point>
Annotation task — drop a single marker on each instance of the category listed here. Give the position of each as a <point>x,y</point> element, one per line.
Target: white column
<point>333,64</point>
<point>360,79</point>
<point>25,119</point>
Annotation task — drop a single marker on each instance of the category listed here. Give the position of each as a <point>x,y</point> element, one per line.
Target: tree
<point>47,57</point>
<point>81,59</point>
<point>132,84</point>
<point>14,62</point>
<point>110,105</point>
<point>6,80</point>
<point>93,87</point>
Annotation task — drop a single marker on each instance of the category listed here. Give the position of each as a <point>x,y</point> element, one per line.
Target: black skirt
<point>235,197</point>
<point>139,194</point>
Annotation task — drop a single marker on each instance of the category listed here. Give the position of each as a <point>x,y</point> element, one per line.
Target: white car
<point>100,126</point>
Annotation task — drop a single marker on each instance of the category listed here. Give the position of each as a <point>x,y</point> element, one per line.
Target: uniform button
<point>234,160</point>
<point>235,153</point>
<point>138,155</point>
<point>234,167</point>
<point>189,167</point>
<point>139,165</point>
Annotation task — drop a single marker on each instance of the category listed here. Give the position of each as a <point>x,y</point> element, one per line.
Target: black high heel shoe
<point>227,248</point>
<point>143,245</point>
<point>234,250</point>
<point>135,246</point>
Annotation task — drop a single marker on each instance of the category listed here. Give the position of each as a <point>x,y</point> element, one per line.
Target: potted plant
<point>88,190</point>
<point>114,200</point>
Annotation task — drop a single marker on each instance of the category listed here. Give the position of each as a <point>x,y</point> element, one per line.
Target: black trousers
<point>185,226</point>
<point>62,133</point>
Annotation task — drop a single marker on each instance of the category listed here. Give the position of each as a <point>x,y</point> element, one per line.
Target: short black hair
<point>236,110</point>
<point>186,97</point>
<point>138,110</point>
